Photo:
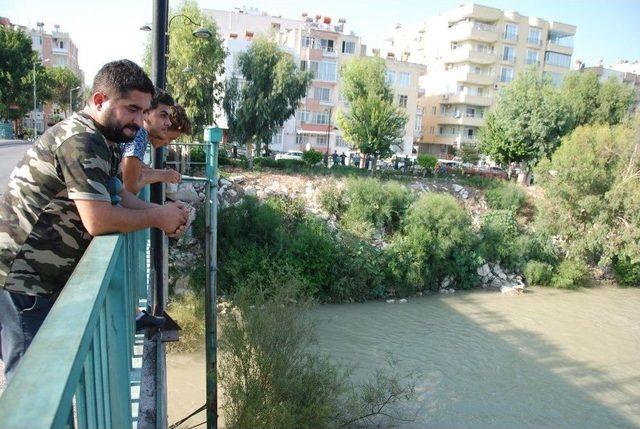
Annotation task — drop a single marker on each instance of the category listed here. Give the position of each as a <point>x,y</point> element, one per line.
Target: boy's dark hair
<point>179,120</point>
<point>117,78</point>
<point>160,96</point>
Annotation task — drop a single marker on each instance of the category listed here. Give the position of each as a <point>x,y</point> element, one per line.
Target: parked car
<point>290,154</point>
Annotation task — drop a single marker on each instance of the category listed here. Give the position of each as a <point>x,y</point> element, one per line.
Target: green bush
<point>436,241</point>
<point>332,200</point>
<point>571,274</point>
<point>196,154</point>
<point>372,202</point>
<point>626,271</point>
<point>499,238</point>
<point>291,210</point>
<point>428,162</point>
<point>508,196</point>
<point>311,157</point>
<point>280,164</point>
<point>538,273</point>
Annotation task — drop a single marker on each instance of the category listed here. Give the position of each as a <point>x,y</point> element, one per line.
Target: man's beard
<point>114,131</point>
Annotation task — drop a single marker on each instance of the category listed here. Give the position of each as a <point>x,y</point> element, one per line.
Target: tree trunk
<point>524,177</point>
<point>250,154</point>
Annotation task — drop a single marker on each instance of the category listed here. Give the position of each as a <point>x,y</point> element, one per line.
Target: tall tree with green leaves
<point>61,81</point>
<point>526,124</point>
<point>593,102</point>
<point>373,122</point>
<point>16,79</point>
<point>194,65</point>
<point>265,92</point>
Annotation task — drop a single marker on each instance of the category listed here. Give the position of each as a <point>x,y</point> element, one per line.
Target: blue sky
<point>108,30</point>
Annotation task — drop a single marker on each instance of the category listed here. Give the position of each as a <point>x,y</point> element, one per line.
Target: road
<point>10,154</point>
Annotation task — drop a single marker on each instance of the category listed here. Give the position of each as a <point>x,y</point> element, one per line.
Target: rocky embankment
<point>233,188</point>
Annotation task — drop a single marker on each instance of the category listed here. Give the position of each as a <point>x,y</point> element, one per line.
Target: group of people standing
<point>79,180</point>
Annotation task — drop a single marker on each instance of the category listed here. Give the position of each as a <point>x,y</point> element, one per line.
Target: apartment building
<point>471,52</point>
<point>320,44</point>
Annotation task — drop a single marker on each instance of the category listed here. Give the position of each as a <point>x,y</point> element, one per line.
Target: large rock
<point>237,179</point>
<point>186,192</point>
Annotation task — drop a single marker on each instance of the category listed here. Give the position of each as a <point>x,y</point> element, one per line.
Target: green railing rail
<point>76,373</point>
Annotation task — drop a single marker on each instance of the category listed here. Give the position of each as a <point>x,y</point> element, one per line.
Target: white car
<point>290,154</point>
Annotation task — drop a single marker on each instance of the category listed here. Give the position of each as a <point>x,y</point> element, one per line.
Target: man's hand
<point>171,176</point>
<point>174,218</point>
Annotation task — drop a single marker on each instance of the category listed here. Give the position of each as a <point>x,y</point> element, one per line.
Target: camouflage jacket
<point>42,237</point>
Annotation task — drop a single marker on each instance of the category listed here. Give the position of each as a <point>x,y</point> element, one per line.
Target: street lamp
<point>71,99</point>
<point>200,32</point>
<point>35,130</point>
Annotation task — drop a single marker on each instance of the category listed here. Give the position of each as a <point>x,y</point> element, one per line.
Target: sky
<point>108,30</point>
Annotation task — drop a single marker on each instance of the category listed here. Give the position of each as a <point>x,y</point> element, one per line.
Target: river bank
<point>545,359</point>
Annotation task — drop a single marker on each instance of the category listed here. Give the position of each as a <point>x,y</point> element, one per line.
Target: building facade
<point>320,45</point>
<point>470,53</point>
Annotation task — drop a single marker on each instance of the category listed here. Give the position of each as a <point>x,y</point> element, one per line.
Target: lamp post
<point>35,105</point>
<point>71,99</point>
<point>330,110</point>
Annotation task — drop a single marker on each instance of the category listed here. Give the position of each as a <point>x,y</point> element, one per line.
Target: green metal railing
<point>76,373</point>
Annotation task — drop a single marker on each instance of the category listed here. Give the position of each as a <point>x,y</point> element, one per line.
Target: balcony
<point>463,55</point>
<point>329,53</point>
<point>474,31</point>
<point>464,98</point>
<point>472,77</point>
<point>556,46</point>
<point>472,120</point>
<point>508,58</point>
<point>532,62</point>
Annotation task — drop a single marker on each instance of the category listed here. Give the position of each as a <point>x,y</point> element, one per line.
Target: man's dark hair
<point>160,96</point>
<point>179,120</point>
<point>117,78</point>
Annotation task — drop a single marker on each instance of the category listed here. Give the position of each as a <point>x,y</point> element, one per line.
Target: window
<point>348,47</point>
<point>511,32</point>
<point>443,110</point>
<point>61,44</point>
<point>322,94</point>
<point>308,42</point>
<point>561,39</point>
<point>322,140</point>
<point>326,45</point>
<point>418,127</point>
<point>556,59</point>
<point>321,118</point>
<point>403,100</point>
<point>390,77</point>
<point>323,70</point>
<point>277,138</point>
<point>302,139</point>
<point>535,36</point>
<point>303,116</point>
<point>509,54</point>
<point>433,110</point>
<point>532,58</point>
<point>303,65</point>
<point>404,79</point>
<point>506,74</point>
<point>432,130</point>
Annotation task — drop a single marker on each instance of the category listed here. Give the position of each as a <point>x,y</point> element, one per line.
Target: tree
<point>469,153</point>
<point>527,123</point>
<point>16,81</point>
<point>592,102</point>
<point>263,95</point>
<point>311,157</point>
<point>592,196</point>
<point>428,162</point>
<point>60,81</point>
<point>194,65</point>
<point>373,123</point>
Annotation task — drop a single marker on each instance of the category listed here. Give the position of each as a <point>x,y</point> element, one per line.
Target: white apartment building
<point>321,45</point>
<point>471,52</point>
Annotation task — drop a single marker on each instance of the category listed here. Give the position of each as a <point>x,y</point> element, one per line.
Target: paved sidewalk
<point>9,142</point>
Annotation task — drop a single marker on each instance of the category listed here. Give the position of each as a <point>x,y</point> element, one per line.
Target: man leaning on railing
<point>66,190</point>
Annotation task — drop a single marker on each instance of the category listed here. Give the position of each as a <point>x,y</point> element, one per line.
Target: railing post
<point>212,136</point>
